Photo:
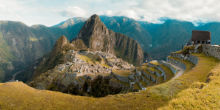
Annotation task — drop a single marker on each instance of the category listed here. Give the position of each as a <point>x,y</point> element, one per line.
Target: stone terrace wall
<point>160,69</point>
<point>177,63</point>
<point>190,58</point>
<point>169,66</point>
<point>211,50</point>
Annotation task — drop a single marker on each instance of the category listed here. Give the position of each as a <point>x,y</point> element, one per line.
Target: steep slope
<point>130,28</point>
<point>96,36</point>
<point>172,35</point>
<point>22,45</point>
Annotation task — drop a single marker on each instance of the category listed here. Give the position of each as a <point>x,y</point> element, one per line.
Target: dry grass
<point>173,94</point>
<point>122,72</point>
<point>201,94</point>
<point>33,39</point>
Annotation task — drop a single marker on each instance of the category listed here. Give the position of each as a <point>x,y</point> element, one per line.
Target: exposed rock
<point>97,37</point>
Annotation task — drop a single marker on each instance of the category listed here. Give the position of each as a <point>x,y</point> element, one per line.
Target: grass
<point>174,94</point>
<point>122,72</point>
<point>203,94</point>
<point>33,39</point>
<point>168,72</point>
<point>92,59</point>
<point>86,59</point>
<point>185,50</point>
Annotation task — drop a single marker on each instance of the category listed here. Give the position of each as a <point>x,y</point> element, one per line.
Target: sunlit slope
<point>203,94</point>
<point>170,95</point>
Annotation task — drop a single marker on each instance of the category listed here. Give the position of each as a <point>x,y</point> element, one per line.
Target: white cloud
<point>50,12</point>
<point>74,12</point>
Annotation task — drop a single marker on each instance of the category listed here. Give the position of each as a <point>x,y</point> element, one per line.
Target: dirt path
<point>180,71</point>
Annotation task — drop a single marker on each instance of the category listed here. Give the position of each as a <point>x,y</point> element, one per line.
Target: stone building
<point>201,37</point>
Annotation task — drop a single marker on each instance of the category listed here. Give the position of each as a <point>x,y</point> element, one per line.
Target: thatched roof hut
<point>201,37</point>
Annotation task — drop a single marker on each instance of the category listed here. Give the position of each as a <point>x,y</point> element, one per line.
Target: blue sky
<point>50,12</point>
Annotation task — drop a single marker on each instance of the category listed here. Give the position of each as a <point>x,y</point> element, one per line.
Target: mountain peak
<point>60,43</point>
<point>93,27</point>
<point>95,17</point>
<point>96,36</point>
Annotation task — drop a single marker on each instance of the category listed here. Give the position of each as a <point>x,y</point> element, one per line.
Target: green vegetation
<point>5,56</point>
<point>5,53</point>
<point>186,50</point>
<point>33,39</point>
<point>122,72</point>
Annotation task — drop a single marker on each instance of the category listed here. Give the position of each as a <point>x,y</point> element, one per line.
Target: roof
<point>201,35</point>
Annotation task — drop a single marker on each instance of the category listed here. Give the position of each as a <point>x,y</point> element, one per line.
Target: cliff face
<point>96,36</point>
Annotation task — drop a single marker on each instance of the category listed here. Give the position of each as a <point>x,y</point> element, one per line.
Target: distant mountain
<point>168,37</point>
<point>173,34</point>
<point>70,22</point>
<point>129,27</point>
<point>21,45</point>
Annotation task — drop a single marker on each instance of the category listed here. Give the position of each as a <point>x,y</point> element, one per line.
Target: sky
<point>51,12</point>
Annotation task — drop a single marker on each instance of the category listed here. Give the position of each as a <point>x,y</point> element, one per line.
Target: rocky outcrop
<point>97,37</point>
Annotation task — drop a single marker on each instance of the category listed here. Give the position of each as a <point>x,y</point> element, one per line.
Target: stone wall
<point>160,69</point>
<point>177,63</point>
<point>190,58</point>
<point>121,78</point>
<point>211,50</point>
<point>169,66</point>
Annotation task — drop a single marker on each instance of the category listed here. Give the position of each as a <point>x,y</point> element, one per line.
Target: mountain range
<point>22,45</point>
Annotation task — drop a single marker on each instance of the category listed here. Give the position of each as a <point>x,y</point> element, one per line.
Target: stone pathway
<point>180,71</point>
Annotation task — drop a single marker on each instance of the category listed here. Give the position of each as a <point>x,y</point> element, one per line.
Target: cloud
<point>74,12</point>
<point>51,12</point>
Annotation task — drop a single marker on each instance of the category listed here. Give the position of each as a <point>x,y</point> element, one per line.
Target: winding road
<point>14,76</point>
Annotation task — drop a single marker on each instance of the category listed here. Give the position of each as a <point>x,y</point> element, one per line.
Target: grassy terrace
<point>122,72</point>
<point>168,72</point>
<point>189,90</point>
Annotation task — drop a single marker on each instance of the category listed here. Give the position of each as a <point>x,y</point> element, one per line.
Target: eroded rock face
<point>96,36</point>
